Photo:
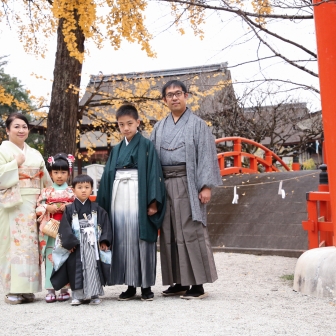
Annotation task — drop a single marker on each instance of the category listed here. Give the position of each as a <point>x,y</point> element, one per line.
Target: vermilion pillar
<point>325,25</point>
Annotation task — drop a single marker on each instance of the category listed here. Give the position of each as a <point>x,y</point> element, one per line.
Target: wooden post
<point>221,162</point>
<point>313,234</point>
<point>254,164</point>
<point>237,147</point>
<point>269,160</point>
<point>325,19</point>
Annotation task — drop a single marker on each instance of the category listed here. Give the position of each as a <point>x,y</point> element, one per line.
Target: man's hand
<point>103,247</point>
<point>205,195</point>
<point>73,249</point>
<point>52,208</point>
<point>152,209</point>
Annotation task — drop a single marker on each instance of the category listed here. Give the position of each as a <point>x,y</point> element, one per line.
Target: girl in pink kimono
<point>51,204</point>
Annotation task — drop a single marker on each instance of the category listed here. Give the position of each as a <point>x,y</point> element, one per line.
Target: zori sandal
<point>50,298</point>
<point>28,297</point>
<point>14,299</point>
<point>63,297</point>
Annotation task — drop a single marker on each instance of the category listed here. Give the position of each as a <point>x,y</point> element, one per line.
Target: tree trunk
<point>63,112</point>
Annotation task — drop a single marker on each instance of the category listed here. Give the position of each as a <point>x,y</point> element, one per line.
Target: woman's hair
<point>127,110</point>
<point>173,83</point>
<point>59,162</point>
<point>82,179</point>
<point>13,116</point>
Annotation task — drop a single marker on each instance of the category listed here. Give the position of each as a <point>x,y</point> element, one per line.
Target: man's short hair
<point>82,178</point>
<point>173,83</point>
<point>127,110</point>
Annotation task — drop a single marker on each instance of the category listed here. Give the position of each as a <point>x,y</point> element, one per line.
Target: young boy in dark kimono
<point>85,231</point>
<point>132,191</point>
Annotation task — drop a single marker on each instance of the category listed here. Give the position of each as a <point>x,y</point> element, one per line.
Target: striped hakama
<point>186,253</point>
<point>133,259</point>
<point>89,255</point>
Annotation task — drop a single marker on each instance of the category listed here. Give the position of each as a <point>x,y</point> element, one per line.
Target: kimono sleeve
<point>46,180</point>
<point>155,186</point>
<point>208,174</point>
<point>153,134</point>
<point>41,204</point>
<point>68,239</point>
<point>103,195</point>
<point>106,227</point>
<point>9,172</point>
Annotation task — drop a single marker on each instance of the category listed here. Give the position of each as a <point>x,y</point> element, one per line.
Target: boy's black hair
<point>127,110</point>
<point>61,163</point>
<point>173,83</point>
<point>82,178</point>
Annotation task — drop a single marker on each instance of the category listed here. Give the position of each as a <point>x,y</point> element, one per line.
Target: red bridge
<point>268,162</point>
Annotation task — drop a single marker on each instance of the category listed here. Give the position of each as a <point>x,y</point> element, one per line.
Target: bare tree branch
<point>278,54</point>
<point>239,11</point>
<point>279,37</point>
<point>304,86</point>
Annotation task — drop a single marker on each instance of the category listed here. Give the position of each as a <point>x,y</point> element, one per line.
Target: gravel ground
<point>249,298</point>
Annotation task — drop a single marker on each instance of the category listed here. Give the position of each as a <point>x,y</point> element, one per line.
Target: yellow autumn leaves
<point>80,13</point>
<point>9,100</point>
<point>261,7</point>
<point>123,19</point>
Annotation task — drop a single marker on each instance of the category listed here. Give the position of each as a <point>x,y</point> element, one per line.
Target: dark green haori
<point>138,154</point>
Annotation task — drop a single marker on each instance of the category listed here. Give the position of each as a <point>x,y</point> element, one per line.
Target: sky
<point>223,42</point>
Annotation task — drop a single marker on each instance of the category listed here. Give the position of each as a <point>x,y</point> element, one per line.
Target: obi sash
<point>30,177</point>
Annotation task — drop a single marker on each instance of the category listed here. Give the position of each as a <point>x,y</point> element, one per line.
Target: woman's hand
<point>103,247</point>
<point>20,158</point>
<point>52,208</point>
<point>152,209</point>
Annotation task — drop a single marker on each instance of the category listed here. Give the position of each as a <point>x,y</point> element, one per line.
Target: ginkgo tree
<point>74,22</point>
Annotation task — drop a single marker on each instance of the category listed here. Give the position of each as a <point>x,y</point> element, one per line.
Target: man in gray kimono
<point>187,153</point>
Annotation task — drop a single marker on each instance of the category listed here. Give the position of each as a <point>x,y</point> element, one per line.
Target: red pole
<point>296,166</point>
<point>237,147</point>
<point>325,25</point>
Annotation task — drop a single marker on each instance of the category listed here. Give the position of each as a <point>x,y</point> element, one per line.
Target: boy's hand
<point>52,208</point>
<point>103,247</point>
<point>152,209</point>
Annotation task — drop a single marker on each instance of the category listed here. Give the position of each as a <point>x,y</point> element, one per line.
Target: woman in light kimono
<point>22,175</point>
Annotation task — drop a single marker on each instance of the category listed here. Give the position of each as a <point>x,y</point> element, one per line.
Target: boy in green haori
<point>132,192</point>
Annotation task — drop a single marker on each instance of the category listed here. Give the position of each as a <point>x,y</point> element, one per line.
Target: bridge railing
<point>319,224</point>
<point>237,154</point>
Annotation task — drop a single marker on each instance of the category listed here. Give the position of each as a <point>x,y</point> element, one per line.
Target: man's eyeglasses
<point>177,94</point>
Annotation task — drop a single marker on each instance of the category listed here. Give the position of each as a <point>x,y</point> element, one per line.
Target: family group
<point>162,183</point>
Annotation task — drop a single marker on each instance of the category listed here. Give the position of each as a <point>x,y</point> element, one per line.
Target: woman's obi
<point>30,177</point>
